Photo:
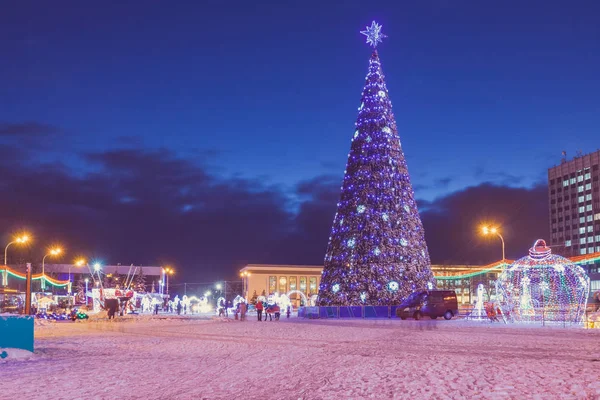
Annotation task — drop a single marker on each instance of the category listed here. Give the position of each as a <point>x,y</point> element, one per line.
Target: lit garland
<point>543,286</point>
<point>46,278</point>
<point>377,253</point>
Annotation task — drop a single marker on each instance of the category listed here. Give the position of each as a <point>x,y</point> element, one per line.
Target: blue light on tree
<point>377,236</point>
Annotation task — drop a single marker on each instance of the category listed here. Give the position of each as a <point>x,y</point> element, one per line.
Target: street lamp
<point>20,240</point>
<point>486,230</point>
<point>86,290</point>
<point>168,271</point>
<point>52,252</point>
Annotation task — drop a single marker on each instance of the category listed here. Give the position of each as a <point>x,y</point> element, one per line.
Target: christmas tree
<point>140,282</point>
<point>377,253</point>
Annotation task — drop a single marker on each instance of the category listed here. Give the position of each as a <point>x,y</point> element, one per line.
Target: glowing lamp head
<point>219,286</point>
<point>97,267</point>
<point>55,251</point>
<point>80,262</point>
<point>23,239</point>
<point>86,280</point>
<point>485,230</point>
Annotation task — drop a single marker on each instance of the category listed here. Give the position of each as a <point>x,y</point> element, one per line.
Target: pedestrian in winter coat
<point>243,309</point>
<point>179,308</point>
<point>259,310</point>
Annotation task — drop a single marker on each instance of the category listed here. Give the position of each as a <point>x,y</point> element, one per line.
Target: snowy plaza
<point>195,358</point>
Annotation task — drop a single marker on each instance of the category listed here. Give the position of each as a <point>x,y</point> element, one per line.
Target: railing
<point>347,312</point>
<point>534,316</point>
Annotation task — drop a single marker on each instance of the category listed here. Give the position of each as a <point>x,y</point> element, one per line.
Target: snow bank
<point>9,354</point>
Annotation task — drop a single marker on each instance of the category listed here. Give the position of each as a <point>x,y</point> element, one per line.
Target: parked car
<point>430,303</point>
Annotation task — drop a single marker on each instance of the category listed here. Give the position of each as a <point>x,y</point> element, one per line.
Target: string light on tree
<point>377,253</point>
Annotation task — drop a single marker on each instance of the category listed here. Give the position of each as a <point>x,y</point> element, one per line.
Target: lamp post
<point>486,230</point>
<point>20,240</point>
<point>97,267</point>
<point>168,271</point>
<point>86,290</point>
<point>53,252</point>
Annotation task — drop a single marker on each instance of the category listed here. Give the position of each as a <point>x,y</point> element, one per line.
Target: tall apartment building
<point>574,197</point>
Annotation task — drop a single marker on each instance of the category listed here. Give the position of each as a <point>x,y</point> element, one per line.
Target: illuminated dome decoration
<point>543,287</point>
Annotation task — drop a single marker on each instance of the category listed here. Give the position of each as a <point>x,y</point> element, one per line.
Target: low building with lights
<point>301,282</point>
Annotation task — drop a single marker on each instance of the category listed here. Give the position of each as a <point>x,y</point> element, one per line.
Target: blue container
<point>16,332</point>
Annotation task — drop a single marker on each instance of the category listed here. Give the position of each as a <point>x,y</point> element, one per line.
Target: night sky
<point>210,134</point>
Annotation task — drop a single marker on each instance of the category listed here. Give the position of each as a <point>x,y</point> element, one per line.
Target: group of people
<point>493,312</point>
<point>270,310</point>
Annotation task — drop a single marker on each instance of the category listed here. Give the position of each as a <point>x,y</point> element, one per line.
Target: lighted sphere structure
<point>543,287</point>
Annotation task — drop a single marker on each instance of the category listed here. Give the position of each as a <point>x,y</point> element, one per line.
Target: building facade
<point>574,200</point>
<point>301,282</point>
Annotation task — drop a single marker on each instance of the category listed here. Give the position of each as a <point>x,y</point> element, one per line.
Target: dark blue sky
<point>483,92</point>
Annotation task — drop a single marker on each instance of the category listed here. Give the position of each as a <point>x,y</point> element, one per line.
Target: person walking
<point>242,311</point>
<point>156,307</point>
<point>259,310</point>
<point>179,308</point>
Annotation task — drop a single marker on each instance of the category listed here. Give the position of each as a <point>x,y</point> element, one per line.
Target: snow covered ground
<point>192,358</point>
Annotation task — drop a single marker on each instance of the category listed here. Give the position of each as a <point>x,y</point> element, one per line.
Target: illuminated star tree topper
<point>373,34</point>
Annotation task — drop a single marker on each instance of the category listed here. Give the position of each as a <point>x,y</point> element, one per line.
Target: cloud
<point>451,222</point>
<point>443,182</point>
<point>148,207</point>
<point>152,206</point>
<point>28,136</point>
<point>27,129</point>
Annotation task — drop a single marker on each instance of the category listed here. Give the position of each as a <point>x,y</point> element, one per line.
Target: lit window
<point>580,189</point>
<point>572,181</point>
<point>590,239</point>
<point>582,251</point>
<point>579,178</point>
<point>581,199</point>
<point>582,230</point>
<point>582,220</point>
<point>588,175</point>
<point>566,183</point>
<point>567,243</point>
<point>590,250</point>
<point>590,228</point>
<point>582,241</point>
<point>590,218</point>
<point>588,186</point>
<point>598,238</point>
<point>597,217</point>
<point>588,196</point>
<point>598,250</point>
<point>588,207</point>
<point>581,209</point>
